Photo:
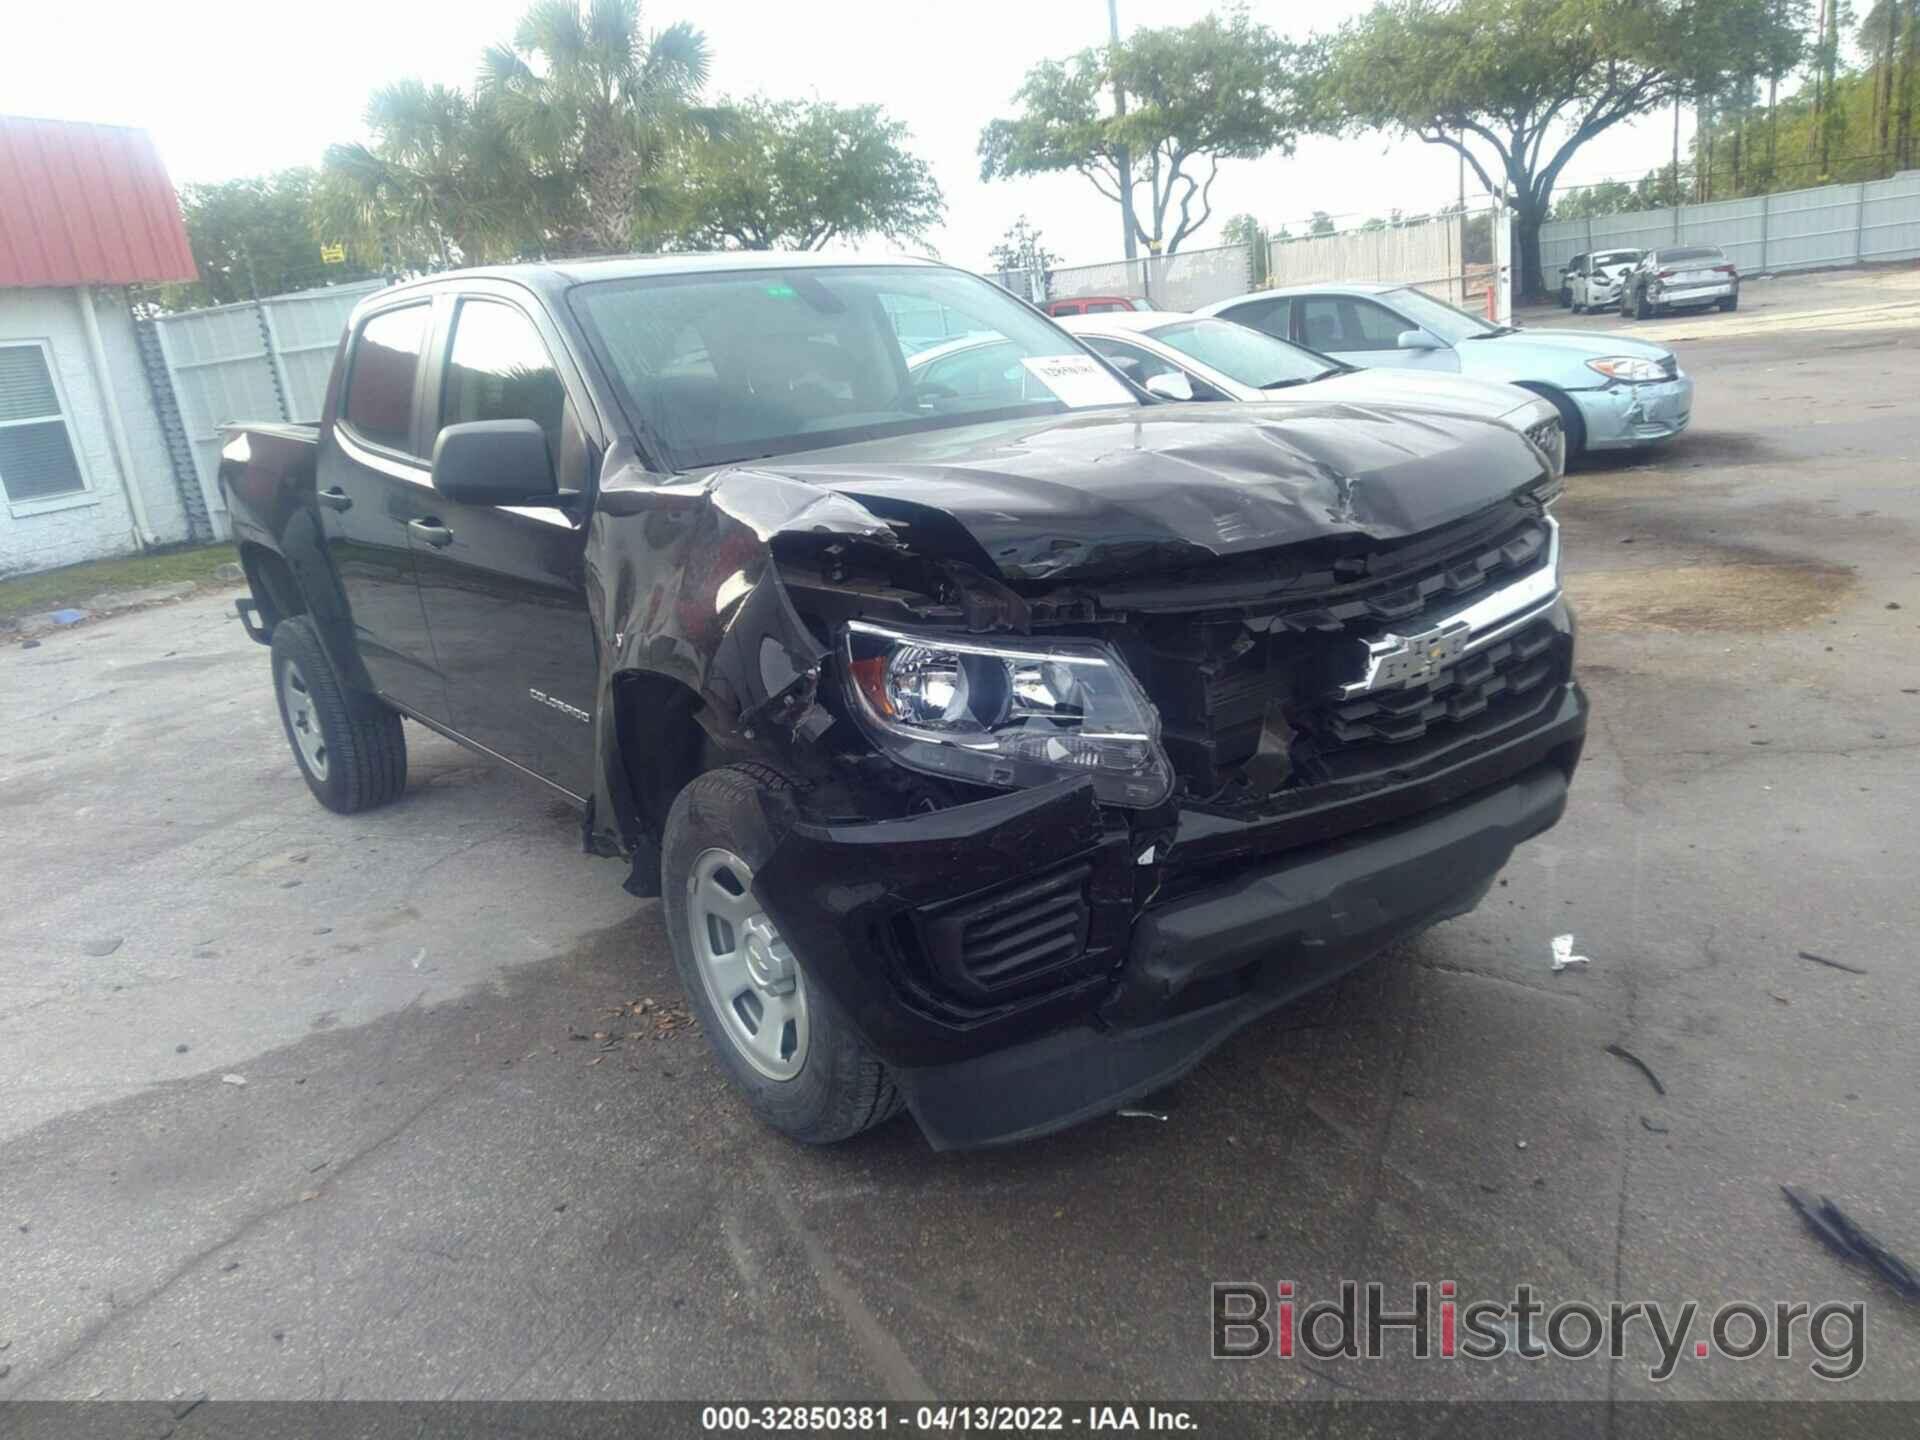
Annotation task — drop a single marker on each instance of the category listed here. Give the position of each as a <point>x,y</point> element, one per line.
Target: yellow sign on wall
<point>333,254</point>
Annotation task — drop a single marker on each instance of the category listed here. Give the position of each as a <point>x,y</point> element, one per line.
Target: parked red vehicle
<point>1095,305</point>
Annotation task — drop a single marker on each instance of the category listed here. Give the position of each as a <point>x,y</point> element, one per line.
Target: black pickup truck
<point>998,746</point>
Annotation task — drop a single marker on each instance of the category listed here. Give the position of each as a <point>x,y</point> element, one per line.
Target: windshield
<point>1449,324</point>
<point>1249,356</point>
<point>1616,257</point>
<point>713,368</point>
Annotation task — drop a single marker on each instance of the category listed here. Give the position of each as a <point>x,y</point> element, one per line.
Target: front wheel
<point>349,746</point>
<point>774,1029</point>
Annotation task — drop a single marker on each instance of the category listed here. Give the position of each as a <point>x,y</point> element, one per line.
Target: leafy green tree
<point>1518,86</point>
<point>596,102</point>
<point>257,236</point>
<point>1609,197</point>
<point>798,175</point>
<point>443,183</point>
<point>1320,223</point>
<point>1196,94</point>
<point>1243,229</point>
<point>1023,249</point>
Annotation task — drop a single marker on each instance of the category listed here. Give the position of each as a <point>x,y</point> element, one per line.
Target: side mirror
<point>1418,340</point>
<point>494,462</point>
<point>1170,385</point>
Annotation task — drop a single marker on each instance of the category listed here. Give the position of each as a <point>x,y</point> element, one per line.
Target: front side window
<point>498,369</point>
<point>1342,322</point>
<point>806,358</point>
<point>37,456</point>
<point>386,358</point>
<point>1137,364</point>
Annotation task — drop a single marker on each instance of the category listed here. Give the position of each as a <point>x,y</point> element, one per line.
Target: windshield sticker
<point>1077,380</point>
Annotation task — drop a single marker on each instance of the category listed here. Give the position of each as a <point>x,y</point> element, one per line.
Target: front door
<point>505,587</point>
<point>373,491</point>
<point>1362,332</point>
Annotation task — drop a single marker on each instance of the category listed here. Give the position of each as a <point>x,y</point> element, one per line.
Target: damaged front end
<point>1057,837</point>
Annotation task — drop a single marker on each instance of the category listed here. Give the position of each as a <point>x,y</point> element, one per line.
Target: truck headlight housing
<point>1007,713</point>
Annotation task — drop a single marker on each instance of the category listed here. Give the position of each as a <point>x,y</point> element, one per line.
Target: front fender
<point>681,583</point>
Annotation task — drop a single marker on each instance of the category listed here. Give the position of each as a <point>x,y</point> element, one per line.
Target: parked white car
<point>1593,281</point>
<point>1196,357</point>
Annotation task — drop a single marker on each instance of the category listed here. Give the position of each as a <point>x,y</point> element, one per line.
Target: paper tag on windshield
<point>1077,380</point>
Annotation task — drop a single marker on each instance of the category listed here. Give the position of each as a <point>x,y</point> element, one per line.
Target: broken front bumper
<point>1620,416</point>
<point>1025,962</point>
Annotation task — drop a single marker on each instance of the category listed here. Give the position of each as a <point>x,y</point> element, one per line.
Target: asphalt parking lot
<point>429,1187</point>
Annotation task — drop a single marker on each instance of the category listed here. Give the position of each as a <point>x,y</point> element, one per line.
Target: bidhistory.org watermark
<point>1430,1320</point>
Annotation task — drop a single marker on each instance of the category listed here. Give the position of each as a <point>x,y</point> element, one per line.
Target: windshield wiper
<point>1495,333</point>
<point>1295,380</point>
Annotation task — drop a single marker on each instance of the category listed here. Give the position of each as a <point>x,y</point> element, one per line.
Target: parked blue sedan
<point>1612,393</point>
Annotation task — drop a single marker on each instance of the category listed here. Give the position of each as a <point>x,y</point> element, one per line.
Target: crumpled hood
<point>1111,491</point>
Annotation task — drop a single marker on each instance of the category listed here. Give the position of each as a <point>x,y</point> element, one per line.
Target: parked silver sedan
<point>1613,392</point>
<point>1680,277</point>
<point>1195,357</point>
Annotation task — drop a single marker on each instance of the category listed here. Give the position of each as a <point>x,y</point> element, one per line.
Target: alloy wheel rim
<point>303,720</point>
<point>750,974</point>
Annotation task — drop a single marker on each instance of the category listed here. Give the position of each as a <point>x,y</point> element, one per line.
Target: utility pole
<point>1122,155</point>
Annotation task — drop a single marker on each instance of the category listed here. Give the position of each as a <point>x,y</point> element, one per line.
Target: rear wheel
<point>775,1031</point>
<point>1732,302</point>
<point>349,746</point>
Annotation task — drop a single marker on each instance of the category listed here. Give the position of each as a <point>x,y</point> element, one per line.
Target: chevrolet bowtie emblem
<point>1394,661</point>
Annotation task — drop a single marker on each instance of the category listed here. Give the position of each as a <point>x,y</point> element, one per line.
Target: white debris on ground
<point>1563,955</point>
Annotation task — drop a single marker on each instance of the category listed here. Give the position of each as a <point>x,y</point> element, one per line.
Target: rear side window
<point>1272,316</point>
<point>386,358</point>
<point>499,369</point>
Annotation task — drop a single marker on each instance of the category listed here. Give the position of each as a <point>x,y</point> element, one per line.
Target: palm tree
<point>598,102</point>
<point>443,183</point>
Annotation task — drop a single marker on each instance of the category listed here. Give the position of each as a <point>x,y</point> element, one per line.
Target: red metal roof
<point>86,205</point>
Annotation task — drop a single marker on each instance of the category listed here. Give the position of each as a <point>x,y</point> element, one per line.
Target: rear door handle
<point>433,532</point>
<point>336,499</point>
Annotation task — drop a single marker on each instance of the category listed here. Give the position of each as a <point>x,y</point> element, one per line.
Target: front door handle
<point>433,532</point>
<point>336,499</point>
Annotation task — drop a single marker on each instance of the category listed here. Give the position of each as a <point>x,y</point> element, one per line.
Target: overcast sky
<point>239,87</point>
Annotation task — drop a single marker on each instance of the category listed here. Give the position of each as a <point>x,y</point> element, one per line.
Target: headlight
<point>1630,368</point>
<point>1007,713</point>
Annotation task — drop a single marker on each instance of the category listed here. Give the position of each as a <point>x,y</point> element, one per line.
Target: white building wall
<point>67,529</point>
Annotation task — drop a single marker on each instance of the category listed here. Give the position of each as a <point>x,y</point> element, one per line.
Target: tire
<point>1732,302</point>
<point>814,1080</point>
<point>1641,309</point>
<point>1566,297</point>
<point>349,747</point>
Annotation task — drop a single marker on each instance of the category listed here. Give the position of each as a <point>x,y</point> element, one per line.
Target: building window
<point>37,458</point>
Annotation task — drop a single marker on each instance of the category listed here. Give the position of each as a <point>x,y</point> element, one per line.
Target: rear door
<point>505,587</point>
<point>373,487</point>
